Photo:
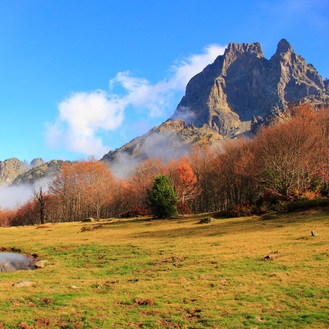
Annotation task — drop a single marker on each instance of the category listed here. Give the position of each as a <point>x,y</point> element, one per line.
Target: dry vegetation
<point>138,273</point>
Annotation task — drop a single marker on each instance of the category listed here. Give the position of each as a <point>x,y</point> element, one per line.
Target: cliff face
<point>242,86</point>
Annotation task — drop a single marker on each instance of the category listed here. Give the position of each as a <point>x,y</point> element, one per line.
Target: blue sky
<point>81,77</point>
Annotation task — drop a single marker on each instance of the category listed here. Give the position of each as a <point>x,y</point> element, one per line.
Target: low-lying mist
<point>12,197</point>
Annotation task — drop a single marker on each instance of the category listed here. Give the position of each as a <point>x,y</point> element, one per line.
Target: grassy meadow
<point>139,273</point>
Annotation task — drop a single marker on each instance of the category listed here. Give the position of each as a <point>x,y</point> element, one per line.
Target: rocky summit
<point>239,92</point>
<point>243,86</point>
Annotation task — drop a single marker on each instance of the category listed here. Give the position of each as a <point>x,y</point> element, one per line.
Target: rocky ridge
<point>11,168</point>
<point>167,141</point>
<point>16,172</point>
<point>44,170</point>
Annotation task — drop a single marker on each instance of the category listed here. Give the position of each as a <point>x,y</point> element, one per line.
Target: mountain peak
<point>251,48</point>
<point>283,46</point>
<point>242,84</point>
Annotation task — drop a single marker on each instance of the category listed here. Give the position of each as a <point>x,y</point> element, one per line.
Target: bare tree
<point>40,197</point>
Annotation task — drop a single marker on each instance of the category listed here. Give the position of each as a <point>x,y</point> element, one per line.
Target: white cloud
<point>83,116</point>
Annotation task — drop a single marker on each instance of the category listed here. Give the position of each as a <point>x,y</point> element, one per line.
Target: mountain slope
<point>167,141</point>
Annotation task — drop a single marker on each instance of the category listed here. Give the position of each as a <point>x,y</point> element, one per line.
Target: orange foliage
<point>184,182</point>
<point>291,154</point>
<point>205,165</point>
<point>140,181</point>
<point>27,214</point>
<point>84,189</point>
<point>6,217</point>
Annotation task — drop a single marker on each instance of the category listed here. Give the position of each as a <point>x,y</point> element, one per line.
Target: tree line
<point>286,161</point>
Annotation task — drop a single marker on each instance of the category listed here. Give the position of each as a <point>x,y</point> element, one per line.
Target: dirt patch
<point>170,260</point>
<point>272,255</point>
<point>144,302</point>
<point>92,228</point>
<point>43,323</point>
<point>46,301</point>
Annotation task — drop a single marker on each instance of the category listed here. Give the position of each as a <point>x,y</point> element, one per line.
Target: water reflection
<point>11,262</point>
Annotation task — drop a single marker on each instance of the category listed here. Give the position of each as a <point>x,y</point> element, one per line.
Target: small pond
<point>11,262</point>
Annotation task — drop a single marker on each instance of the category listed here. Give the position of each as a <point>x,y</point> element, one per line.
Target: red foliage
<point>27,214</point>
<point>6,217</point>
<point>140,181</point>
<point>184,183</point>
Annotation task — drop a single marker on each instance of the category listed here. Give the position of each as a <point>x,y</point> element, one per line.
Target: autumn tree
<point>162,198</point>
<point>237,172</point>
<point>203,161</point>
<point>27,214</point>
<point>6,217</point>
<point>140,181</point>
<point>289,154</point>
<point>184,182</point>
<point>84,189</point>
<point>322,123</point>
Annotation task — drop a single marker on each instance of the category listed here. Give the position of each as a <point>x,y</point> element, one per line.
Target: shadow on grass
<point>188,225</point>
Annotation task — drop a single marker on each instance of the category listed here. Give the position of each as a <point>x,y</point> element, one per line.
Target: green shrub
<point>162,199</point>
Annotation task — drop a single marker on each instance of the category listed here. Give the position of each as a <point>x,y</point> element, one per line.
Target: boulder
<point>41,263</point>
<point>25,283</point>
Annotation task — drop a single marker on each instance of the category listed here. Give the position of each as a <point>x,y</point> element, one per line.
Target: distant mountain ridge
<point>11,168</point>
<point>16,172</point>
<point>239,92</point>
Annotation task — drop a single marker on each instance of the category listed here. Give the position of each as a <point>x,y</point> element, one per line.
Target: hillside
<point>170,140</point>
<point>253,272</point>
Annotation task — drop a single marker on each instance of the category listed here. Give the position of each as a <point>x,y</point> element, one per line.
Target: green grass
<point>172,274</point>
